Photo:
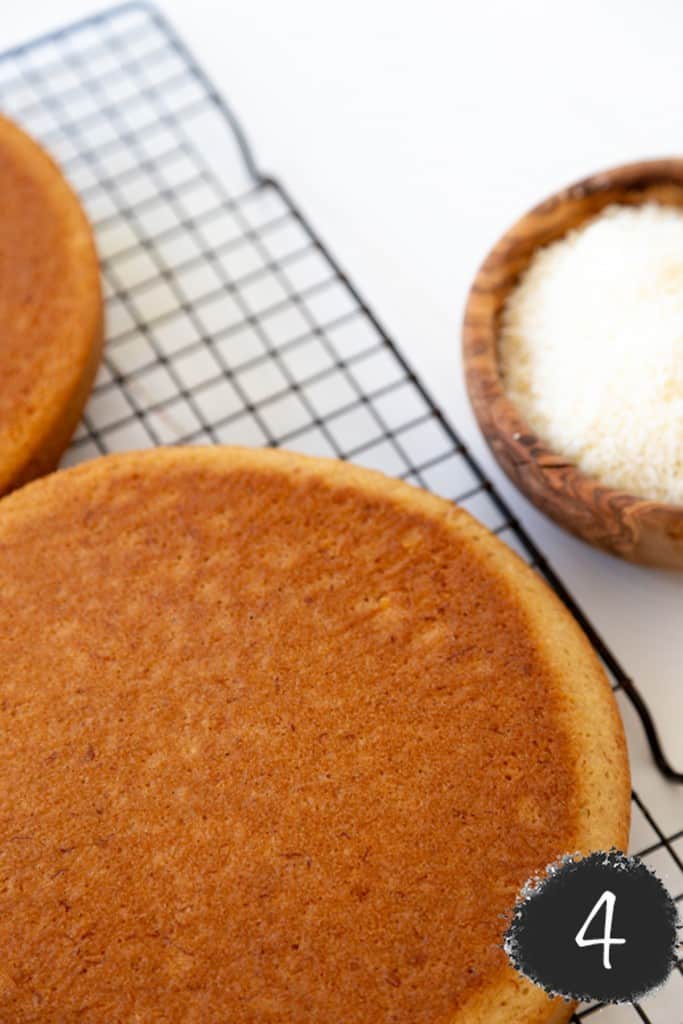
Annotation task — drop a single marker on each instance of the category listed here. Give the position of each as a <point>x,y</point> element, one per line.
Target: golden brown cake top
<point>283,738</point>
<point>50,307</point>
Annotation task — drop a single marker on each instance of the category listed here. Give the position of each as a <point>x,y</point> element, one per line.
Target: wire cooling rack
<point>228,320</point>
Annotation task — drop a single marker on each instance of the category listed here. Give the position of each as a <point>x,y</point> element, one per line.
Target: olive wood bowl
<point>624,524</point>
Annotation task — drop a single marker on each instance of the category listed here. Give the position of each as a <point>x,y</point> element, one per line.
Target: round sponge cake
<point>50,310</point>
<point>283,739</point>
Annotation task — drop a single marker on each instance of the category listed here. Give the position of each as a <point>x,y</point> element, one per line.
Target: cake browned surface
<point>50,309</point>
<point>282,740</point>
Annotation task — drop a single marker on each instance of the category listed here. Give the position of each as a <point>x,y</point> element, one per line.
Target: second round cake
<point>50,309</point>
<point>283,739</point>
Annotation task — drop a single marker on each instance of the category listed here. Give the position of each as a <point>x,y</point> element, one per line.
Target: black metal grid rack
<point>228,320</point>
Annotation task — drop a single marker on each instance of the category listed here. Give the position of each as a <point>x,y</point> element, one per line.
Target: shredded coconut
<point>591,348</point>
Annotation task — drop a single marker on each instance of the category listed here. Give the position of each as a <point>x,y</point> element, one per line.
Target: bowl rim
<point>481,338</point>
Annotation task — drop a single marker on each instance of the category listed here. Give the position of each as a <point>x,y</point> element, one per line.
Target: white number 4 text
<point>608,899</point>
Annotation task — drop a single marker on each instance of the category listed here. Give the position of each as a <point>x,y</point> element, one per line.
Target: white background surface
<point>413,134</point>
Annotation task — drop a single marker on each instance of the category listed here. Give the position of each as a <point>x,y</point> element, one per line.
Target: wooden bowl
<point>624,524</point>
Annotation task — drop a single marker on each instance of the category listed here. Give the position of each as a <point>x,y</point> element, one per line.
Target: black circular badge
<point>599,927</point>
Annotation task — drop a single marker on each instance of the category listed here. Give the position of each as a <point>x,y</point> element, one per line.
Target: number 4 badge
<point>543,944</point>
